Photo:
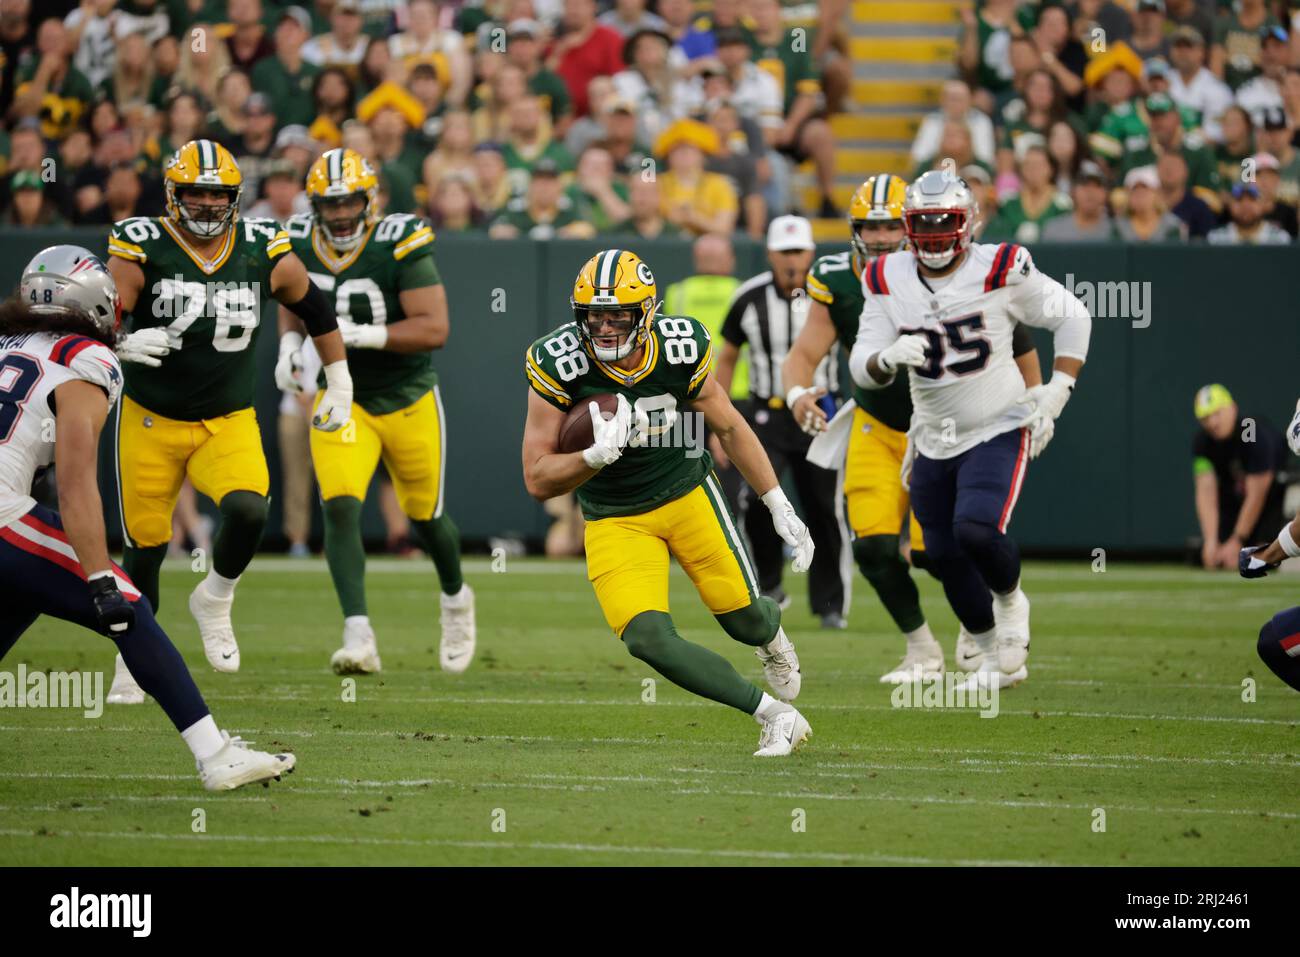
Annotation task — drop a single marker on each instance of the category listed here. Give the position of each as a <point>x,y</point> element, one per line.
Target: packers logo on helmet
<point>333,184</point>
<point>615,288</point>
<point>877,201</point>
<point>199,167</point>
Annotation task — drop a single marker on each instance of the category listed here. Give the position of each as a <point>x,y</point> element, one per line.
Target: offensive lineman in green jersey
<point>647,489</point>
<point>392,311</point>
<point>878,455</point>
<point>194,282</point>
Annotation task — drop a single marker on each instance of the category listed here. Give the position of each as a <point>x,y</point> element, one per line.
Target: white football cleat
<point>968,654</point>
<point>359,654</point>
<point>1013,633</point>
<point>213,617</point>
<point>990,675</point>
<point>124,689</point>
<point>782,734</point>
<point>459,632</point>
<point>236,764</point>
<point>916,666</point>
<point>781,666</point>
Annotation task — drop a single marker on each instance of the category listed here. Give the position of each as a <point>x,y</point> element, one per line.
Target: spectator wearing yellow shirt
<point>691,198</point>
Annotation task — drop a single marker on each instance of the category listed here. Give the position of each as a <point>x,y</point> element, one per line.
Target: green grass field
<point>1133,705</point>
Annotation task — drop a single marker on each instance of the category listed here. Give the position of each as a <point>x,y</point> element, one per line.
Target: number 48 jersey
<point>212,313</point>
<point>667,456</point>
<point>969,389</point>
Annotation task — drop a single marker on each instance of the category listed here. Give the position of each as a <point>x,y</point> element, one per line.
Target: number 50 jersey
<point>212,313</point>
<point>668,456</point>
<point>969,388</point>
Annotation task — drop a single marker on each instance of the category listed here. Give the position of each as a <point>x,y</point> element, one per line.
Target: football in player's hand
<point>576,433</point>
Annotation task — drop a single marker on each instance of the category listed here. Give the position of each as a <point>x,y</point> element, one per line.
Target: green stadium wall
<point>1116,477</point>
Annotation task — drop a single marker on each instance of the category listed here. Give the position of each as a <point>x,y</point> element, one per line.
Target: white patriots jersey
<point>31,368</point>
<point>970,388</point>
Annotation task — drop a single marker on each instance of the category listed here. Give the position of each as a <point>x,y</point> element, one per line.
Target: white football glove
<point>288,368</point>
<point>906,351</point>
<point>335,405</point>
<point>1047,401</point>
<point>609,436</point>
<point>144,346</point>
<point>1293,431</point>
<point>363,336</point>
<point>791,528</point>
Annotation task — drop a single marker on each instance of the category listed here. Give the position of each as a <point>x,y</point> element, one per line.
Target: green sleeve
<point>417,271</point>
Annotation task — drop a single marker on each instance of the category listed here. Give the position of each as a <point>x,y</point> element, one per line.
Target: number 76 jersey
<point>668,457</point>
<point>212,313</point>
<point>969,388</point>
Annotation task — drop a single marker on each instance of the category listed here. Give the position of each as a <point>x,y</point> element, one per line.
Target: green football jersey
<point>836,283</point>
<point>212,316</point>
<point>670,458</point>
<point>396,254</point>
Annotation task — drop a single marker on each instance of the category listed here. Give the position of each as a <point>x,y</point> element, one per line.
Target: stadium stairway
<point>902,51</point>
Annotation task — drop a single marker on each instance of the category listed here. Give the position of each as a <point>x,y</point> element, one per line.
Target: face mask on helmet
<point>341,218</point>
<point>876,237</point>
<point>937,235</point>
<point>201,210</point>
<point>610,330</point>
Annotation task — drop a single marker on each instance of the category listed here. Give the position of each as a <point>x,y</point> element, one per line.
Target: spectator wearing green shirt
<point>1145,218</point>
<point>1041,105</point>
<point>1023,214</point>
<point>524,50</point>
<point>646,220</point>
<point>544,212</point>
<point>286,77</point>
<point>1089,221</point>
<point>804,134</point>
<point>49,86</point>
<point>1166,135</point>
<point>1237,146</point>
<point>1238,40</point>
<point>1276,136</point>
<point>984,51</point>
<point>1114,77</point>
<point>599,198</point>
<point>528,142</point>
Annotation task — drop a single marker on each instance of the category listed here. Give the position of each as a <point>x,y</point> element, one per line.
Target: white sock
<point>1008,601</point>
<point>219,586</point>
<point>769,706</point>
<point>987,640</point>
<point>203,738</point>
<point>919,640</point>
<point>355,628</point>
<point>456,599</point>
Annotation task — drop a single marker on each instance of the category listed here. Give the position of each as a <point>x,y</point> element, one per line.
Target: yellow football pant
<point>411,443</point>
<point>627,557</point>
<point>878,503</point>
<point>155,454</point>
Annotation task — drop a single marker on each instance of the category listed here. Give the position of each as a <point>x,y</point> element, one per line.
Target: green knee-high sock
<point>141,566</point>
<point>346,553</point>
<point>243,519</point>
<point>755,624</point>
<point>440,538</point>
<point>651,637</point>
<point>883,566</point>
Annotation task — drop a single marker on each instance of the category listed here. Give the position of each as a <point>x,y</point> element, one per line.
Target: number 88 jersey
<point>667,457</point>
<point>212,312</point>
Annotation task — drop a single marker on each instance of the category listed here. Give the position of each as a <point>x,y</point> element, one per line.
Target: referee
<point>766,314</point>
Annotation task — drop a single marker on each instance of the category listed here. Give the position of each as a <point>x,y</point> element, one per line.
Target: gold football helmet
<point>335,179</point>
<point>878,200</point>
<point>198,166</point>
<point>616,288</point>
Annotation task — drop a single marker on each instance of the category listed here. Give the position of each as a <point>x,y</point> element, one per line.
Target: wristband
<point>1287,542</point>
<point>796,393</point>
<point>337,376</point>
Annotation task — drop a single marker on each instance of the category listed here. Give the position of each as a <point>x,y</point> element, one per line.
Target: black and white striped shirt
<point>766,321</point>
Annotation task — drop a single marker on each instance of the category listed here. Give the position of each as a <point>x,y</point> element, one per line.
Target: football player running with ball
<point>194,282</point>
<point>875,489</point>
<point>648,493</point>
<point>57,367</point>
<point>392,311</point>
<point>947,308</point>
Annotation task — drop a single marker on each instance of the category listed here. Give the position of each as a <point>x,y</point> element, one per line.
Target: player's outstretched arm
<point>746,452</point>
<point>809,348</point>
<point>548,472</point>
<point>82,410</point>
<point>129,278</point>
<point>1258,562</point>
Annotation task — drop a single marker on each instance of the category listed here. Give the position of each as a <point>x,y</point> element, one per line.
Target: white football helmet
<point>939,217</point>
<point>62,279</point>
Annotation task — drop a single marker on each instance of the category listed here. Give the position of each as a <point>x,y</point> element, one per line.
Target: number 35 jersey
<point>212,313</point>
<point>969,388</point>
<point>667,456</point>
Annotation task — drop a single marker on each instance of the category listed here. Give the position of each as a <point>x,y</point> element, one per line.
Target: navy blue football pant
<point>964,506</point>
<point>40,575</point>
<point>1279,646</point>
